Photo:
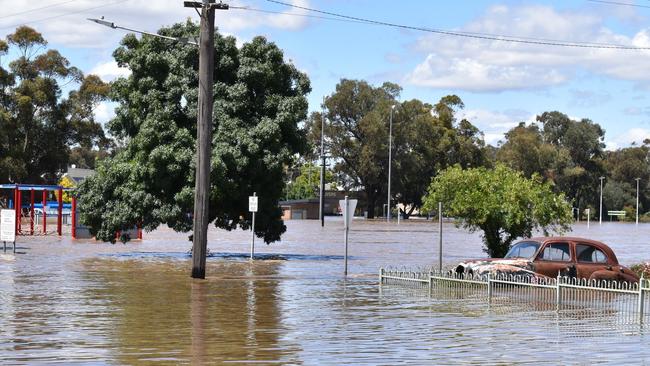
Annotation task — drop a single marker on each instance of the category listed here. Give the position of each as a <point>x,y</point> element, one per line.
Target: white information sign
<point>347,216</point>
<point>8,225</point>
<point>252,203</point>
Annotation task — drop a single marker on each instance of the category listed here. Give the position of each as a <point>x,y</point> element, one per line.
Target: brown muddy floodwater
<point>87,303</point>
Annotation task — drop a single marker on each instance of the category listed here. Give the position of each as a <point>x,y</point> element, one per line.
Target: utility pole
<point>637,200</point>
<point>322,167</point>
<point>204,123</point>
<point>203,134</point>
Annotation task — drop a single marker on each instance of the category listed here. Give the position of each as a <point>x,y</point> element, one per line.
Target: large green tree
<point>567,153</point>
<point>623,167</point>
<point>426,138</point>
<point>357,132</point>
<point>500,202</point>
<point>39,127</point>
<point>259,102</point>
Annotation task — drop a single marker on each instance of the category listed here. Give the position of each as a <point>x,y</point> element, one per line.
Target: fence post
<point>489,280</point>
<point>641,299</point>
<point>430,282</point>
<point>381,275</point>
<point>558,293</point>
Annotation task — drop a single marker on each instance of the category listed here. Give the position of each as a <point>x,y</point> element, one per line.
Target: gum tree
<point>500,202</point>
<point>40,126</point>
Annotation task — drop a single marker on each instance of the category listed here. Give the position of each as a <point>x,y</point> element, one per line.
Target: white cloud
<point>66,23</point>
<point>636,135</point>
<point>588,98</point>
<point>482,65</point>
<point>495,124</point>
<point>110,71</point>
<point>104,112</point>
<point>475,75</point>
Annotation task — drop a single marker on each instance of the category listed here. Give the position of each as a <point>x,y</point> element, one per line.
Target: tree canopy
<point>426,138</point>
<point>307,183</point>
<point>40,129</point>
<point>565,152</point>
<point>259,102</point>
<point>500,202</point>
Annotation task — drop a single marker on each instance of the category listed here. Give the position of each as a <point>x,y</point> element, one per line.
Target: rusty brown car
<point>553,256</point>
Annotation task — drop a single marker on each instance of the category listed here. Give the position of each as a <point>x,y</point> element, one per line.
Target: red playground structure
<point>35,214</point>
<point>32,216</point>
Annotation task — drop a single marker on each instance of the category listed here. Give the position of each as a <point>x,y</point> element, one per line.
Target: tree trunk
<point>494,244</point>
<point>370,207</point>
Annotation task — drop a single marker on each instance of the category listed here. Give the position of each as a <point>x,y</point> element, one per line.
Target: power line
<point>619,3</point>
<point>66,14</point>
<point>371,23</point>
<point>298,15</point>
<point>35,9</point>
<point>483,36</point>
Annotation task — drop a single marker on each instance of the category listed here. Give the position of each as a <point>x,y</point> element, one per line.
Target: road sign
<point>252,203</point>
<point>8,225</point>
<point>347,216</point>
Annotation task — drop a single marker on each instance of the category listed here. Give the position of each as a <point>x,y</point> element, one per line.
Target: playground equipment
<point>36,214</point>
<point>32,216</point>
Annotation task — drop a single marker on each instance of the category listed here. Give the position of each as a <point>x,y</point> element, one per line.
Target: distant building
<point>78,175</point>
<point>308,209</point>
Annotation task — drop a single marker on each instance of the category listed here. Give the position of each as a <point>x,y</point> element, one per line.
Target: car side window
<point>556,252</point>
<point>590,254</point>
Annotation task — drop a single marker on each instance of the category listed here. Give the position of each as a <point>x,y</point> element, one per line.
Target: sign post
<point>252,207</point>
<point>440,237</point>
<point>8,228</point>
<point>348,213</point>
<point>588,216</point>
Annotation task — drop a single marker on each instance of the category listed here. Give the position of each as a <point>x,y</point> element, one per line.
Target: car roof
<point>545,239</point>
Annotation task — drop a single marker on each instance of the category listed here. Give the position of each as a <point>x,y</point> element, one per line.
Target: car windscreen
<point>524,249</point>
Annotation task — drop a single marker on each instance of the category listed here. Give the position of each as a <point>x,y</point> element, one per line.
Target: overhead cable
<point>484,36</point>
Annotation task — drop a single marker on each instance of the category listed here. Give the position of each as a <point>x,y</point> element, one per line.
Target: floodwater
<point>81,302</point>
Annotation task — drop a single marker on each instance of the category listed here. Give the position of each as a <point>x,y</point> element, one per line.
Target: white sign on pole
<point>347,216</point>
<point>8,225</point>
<point>252,203</point>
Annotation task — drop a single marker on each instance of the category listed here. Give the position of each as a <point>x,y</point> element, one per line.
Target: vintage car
<point>550,256</point>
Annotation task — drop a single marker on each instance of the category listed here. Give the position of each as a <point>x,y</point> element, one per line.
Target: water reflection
<point>84,302</point>
<point>162,314</point>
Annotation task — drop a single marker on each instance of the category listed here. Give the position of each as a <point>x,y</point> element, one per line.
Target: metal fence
<point>561,294</point>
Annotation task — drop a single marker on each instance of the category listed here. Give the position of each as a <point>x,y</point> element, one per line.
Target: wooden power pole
<point>203,134</point>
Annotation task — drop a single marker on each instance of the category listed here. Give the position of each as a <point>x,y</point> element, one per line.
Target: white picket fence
<point>561,293</point>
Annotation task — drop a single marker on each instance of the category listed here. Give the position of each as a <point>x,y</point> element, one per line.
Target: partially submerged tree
<point>307,183</point>
<point>259,101</point>
<point>567,153</point>
<point>500,202</point>
<point>425,139</point>
<point>357,129</point>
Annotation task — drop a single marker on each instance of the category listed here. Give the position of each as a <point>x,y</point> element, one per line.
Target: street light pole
<point>390,157</point>
<point>600,211</point>
<point>322,168</point>
<point>637,200</point>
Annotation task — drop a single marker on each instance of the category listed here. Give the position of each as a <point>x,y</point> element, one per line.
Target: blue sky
<point>501,83</point>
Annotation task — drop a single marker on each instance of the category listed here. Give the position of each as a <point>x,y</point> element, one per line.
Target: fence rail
<point>561,293</point>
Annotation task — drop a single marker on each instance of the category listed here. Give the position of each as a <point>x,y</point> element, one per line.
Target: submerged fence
<point>561,293</point>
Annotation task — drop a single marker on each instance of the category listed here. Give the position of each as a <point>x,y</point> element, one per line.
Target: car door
<point>589,259</point>
<point>554,258</point>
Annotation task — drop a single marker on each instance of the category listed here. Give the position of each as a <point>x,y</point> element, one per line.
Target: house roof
<point>79,174</point>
